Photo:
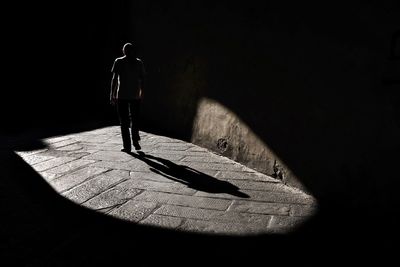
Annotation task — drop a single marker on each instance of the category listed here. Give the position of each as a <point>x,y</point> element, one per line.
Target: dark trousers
<point>128,113</point>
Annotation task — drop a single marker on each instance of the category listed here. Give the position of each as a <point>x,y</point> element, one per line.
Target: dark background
<point>321,89</point>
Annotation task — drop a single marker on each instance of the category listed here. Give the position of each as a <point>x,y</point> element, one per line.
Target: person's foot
<point>136,145</point>
<point>126,150</point>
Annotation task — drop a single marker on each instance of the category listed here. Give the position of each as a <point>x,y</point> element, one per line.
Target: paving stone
<point>111,198</point>
<point>52,140</point>
<point>303,210</point>
<point>73,147</point>
<point>230,228</point>
<point>62,143</point>
<point>79,155</point>
<point>132,165</point>
<point>173,148</point>
<point>105,130</point>
<point>183,200</point>
<point>162,221</point>
<point>134,211</point>
<point>54,153</point>
<point>159,152</point>
<point>92,187</point>
<point>49,176</point>
<point>34,159</point>
<point>70,166</point>
<point>262,186</point>
<point>198,149</point>
<point>99,146</point>
<point>213,166</point>
<point>115,140</point>
<point>237,175</point>
<point>285,223</point>
<point>205,214</point>
<point>171,157</point>
<point>151,176</point>
<point>272,197</point>
<point>175,144</point>
<point>157,186</point>
<point>206,159</point>
<point>119,173</point>
<point>32,152</point>
<point>110,147</point>
<point>117,156</point>
<point>261,208</point>
<point>51,163</point>
<point>75,178</point>
<point>163,139</point>
<point>97,139</point>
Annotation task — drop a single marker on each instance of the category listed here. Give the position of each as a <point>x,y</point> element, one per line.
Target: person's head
<point>129,50</point>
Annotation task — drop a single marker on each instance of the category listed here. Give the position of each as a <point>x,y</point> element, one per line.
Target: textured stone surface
<point>235,175</point>
<point>72,165</point>
<point>72,179</point>
<point>92,187</point>
<point>284,223</point>
<point>262,208</point>
<point>158,187</point>
<point>48,164</point>
<point>220,227</point>
<point>273,197</point>
<point>213,215</point>
<point>171,184</point>
<point>111,198</point>
<point>163,221</point>
<point>182,200</point>
<point>134,211</point>
<point>34,159</point>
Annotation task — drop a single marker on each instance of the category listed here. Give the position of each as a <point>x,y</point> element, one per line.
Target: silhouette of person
<point>127,86</point>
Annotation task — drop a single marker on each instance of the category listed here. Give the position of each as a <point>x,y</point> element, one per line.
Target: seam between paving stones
<point>70,171</point>
<point>178,205</point>
<point>117,206</point>
<point>222,221</point>
<point>74,170</point>
<point>109,208</point>
<point>44,170</point>
<point>39,161</point>
<point>87,179</point>
<point>182,221</point>
<point>157,207</point>
<point>111,186</point>
<point>261,201</point>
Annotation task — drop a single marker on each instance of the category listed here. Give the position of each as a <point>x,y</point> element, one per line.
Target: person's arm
<point>114,86</point>
<point>142,80</point>
<point>114,83</point>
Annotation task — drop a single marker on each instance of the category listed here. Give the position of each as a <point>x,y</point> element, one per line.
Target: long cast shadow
<point>188,176</point>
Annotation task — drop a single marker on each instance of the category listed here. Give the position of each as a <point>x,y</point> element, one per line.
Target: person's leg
<point>123,114</point>
<point>135,120</point>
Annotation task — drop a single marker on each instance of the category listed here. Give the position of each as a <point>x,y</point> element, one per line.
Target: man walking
<point>127,85</point>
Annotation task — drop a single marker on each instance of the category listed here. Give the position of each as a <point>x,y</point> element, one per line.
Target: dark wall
<point>308,79</point>
<point>58,59</point>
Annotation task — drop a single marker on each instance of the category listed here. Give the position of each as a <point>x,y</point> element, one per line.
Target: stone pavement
<point>170,183</point>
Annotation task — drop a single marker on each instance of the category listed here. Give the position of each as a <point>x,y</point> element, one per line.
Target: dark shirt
<point>130,77</point>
